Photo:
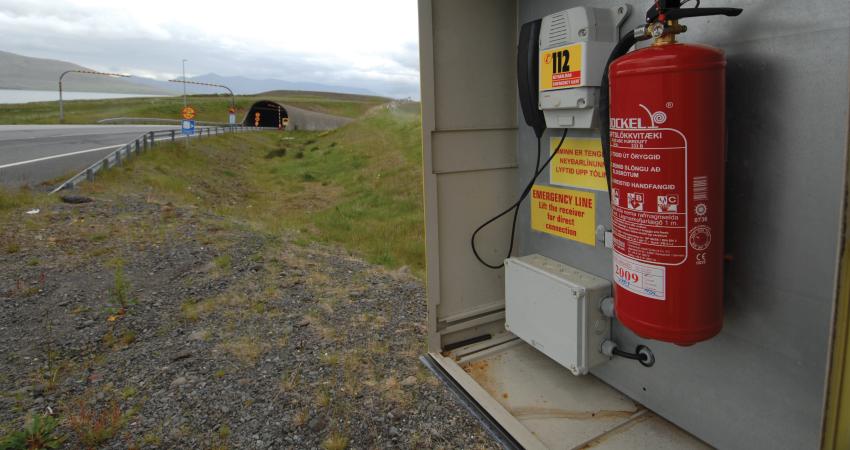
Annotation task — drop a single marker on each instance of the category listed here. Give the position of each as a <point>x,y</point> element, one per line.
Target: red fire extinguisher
<point>665,147</point>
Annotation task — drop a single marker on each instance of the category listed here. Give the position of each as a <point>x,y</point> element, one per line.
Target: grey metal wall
<point>760,383</point>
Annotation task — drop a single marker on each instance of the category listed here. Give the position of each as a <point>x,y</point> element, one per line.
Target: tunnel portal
<point>265,113</point>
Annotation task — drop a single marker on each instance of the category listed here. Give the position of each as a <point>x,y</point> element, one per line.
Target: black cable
<point>629,355</point>
<point>515,206</point>
<point>642,354</point>
<point>620,49</point>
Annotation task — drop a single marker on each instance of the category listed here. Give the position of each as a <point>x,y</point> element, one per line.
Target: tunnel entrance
<point>265,113</point>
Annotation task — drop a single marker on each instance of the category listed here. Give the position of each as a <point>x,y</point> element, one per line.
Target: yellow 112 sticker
<point>561,67</point>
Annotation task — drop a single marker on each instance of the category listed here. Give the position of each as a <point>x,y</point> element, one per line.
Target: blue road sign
<point>188,127</point>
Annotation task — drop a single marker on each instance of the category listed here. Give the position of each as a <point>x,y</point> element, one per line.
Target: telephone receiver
<point>528,78</point>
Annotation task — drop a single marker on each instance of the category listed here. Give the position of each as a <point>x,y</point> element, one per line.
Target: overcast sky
<point>368,44</point>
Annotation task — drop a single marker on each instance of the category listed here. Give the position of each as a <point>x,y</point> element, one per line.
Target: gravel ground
<point>141,325</point>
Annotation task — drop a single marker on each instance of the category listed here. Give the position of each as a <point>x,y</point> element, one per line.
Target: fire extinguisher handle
<point>683,13</point>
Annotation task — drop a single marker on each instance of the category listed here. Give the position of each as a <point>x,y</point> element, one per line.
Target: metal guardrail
<point>142,144</point>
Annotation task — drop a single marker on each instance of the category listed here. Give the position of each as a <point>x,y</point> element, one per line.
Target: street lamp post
<point>232,97</point>
<point>184,83</point>
<point>88,72</point>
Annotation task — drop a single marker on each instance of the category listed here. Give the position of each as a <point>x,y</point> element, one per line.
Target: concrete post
<point>90,174</point>
<point>138,146</point>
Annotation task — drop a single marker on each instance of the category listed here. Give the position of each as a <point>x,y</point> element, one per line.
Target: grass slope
<point>211,108</point>
<point>359,186</point>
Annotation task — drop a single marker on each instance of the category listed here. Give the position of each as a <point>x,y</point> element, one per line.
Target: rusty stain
<point>534,412</point>
<point>477,367</point>
<point>480,372</point>
<point>504,395</point>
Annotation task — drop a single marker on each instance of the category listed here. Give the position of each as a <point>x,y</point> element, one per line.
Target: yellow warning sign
<point>561,67</point>
<point>564,213</point>
<point>579,164</point>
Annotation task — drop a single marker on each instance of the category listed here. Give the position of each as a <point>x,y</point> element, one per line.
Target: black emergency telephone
<point>528,78</point>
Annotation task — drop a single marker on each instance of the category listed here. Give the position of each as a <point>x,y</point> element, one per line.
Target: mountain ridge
<point>29,73</point>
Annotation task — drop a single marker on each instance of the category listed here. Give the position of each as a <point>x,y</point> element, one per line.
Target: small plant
<point>219,441</point>
<point>120,341</point>
<point>323,398</point>
<point>223,262</point>
<point>38,434</point>
<point>12,247</point>
<point>94,427</point>
<point>329,358</point>
<point>308,177</point>
<point>121,288</point>
<point>246,349</point>
<point>152,439</point>
<point>300,418</point>
<point>335,441</point>
<point>190,310</point>
<point>128,392</point>
<point>289,381</point>
<point>300,154</point>
<point>99,237</point>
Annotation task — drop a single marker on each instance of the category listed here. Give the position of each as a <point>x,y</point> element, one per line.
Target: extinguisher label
<point>649,193</point>
<point>641,278</point>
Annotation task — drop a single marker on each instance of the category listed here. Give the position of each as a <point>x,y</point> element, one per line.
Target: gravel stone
<point>285,345</point>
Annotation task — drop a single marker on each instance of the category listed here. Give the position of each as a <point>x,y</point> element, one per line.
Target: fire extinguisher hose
<point>622,47</point>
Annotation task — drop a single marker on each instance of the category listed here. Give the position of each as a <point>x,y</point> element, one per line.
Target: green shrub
<point>38,434</point>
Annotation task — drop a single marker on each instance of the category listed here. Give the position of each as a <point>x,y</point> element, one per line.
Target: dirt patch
<point>145,325</point>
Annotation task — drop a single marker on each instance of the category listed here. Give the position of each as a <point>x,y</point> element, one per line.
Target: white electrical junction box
<point>574,46</point>
<point>555,308</point>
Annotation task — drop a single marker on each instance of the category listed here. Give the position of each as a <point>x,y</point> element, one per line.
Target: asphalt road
<point>33,154</point>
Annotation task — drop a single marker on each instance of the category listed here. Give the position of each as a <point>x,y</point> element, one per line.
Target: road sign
<point>188,127</point>
<point>231,118</point>
<point>188,113</point>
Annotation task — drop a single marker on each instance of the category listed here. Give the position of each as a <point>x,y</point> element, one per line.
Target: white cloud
<point>370,44</point>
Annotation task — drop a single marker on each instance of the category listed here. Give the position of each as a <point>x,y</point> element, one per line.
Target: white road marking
<point>79,152</point>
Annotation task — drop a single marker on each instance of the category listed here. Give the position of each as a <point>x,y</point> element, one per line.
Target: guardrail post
<point>137,147</point>
<point>152,135</point>
<point>172,135</point>
<point>90,174</point>
<point>118,158</point>
<point>105,163</point>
